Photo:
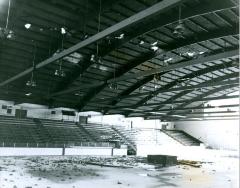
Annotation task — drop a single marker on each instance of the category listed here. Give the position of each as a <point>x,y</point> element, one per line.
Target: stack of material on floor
<point>190,163</point>
<point>163,160</point>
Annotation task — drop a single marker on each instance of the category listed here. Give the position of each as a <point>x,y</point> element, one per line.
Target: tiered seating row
<point>18,130</point>
<point>64,132</point>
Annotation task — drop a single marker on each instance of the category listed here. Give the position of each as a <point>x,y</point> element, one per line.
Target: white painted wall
<point>138,122</point>
<point>9,151</point>
<point>154,136</point>
<point>219,134</point>
<point>89,151</point>
<point>109,119</point>
<point>97,151</point>
<point>119,152</point>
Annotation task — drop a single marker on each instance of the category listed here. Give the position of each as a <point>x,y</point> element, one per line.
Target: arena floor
<point>73,172</point>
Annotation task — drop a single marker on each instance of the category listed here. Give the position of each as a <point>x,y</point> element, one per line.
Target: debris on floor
<point>195,164</point>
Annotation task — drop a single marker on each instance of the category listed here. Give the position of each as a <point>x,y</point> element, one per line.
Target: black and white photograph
<point>119,94</point>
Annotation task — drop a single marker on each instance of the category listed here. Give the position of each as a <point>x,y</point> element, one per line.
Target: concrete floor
<point>61,172</point>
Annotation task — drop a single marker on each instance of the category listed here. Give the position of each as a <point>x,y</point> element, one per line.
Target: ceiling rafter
<point>196,118</point>
<point>153,10</point>
<point>168,86</point>
<point>120,75</point>
<point>200,107</point>
<point>218,56</point>
<point>187,76</point>
<point>146,28</point>
<point>152,93</point>
<point>206,94</point>
<point>176,102</point>
<point>220,78</point>
<point>224,32</point>
<point>126,73</point>
<point>173,98</point>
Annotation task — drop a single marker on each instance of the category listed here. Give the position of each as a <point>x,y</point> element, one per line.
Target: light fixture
<point>154,48</point>
<point>78,94</point>
<point>179,29</point>
<point>28,94</point>
<point>121,36</point>
<point>167,60</point>
<point>190,54</point>
<point>60,72</point>
<point>32,82</point>
<point>63,31</point>
<point>113,86</point>
<point>141,42</point>
<point>6,33</point>
<point>27,25</point>
<point>92,59</point>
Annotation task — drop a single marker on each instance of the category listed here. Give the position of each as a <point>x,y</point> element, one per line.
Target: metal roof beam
<point>170,118</point>
<point>165,103</point>
<point>151,11</point>
<point>180,109</point>
<point>204,95</point>
<point>187,76</point>
<point>146,28</point>
<point>223,55</point>
<point>192,87</point>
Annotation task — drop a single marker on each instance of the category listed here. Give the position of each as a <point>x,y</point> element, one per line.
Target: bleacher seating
<point>36,131</point>
<point>40,131</point>
<point>64,132</point>
<point>16,130</point>
<point>108,133</point>
<point>101,132</point>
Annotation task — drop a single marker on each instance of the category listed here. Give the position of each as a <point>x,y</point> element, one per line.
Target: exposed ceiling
<point>148,58</point>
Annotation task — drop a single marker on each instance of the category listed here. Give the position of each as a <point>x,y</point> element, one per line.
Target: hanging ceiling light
<point>6,33</point>
<point>167,60</point>
<point>141,42</point>
<point>63,31</point>
<point>95,58</point>
<point>28,94</point>
<point>60,72</point>
<point>154,48</point>
<point>121,36</point>
<point>113,86</point>
<point>32,82</point>
<point>180,28</point>
<point>27,25</point>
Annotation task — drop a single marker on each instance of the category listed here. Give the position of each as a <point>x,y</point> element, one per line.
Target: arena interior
<point>119,93</point>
